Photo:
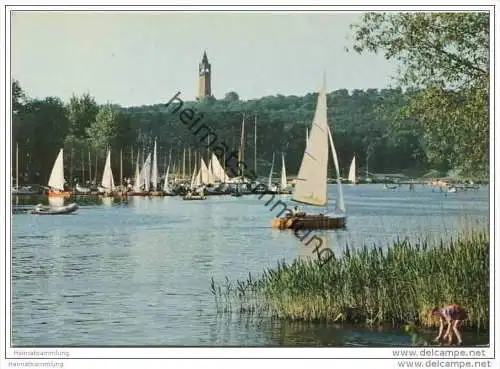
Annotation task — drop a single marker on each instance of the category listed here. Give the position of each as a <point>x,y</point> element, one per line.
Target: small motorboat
<point>194,197</point>
<point>390,186</point>
<point>24,191</point>
<point>236,194</point>
<point>82,190</point>
<point>199,195</point>
<point>54,210</point>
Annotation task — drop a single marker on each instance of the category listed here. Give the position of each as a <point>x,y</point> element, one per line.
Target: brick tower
<point>205,72</point>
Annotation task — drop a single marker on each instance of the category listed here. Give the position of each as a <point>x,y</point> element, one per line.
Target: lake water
<point>138,272</point>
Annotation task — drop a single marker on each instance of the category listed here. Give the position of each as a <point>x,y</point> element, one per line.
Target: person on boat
<point>453,315</point>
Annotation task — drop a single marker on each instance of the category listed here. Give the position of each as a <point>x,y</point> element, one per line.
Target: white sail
<point>166,187</point>
<point>137,180</point>
<point>218,171</point>
<point>311,187</point>
<point>270,181</point>
<point>193,178</point>
<point>154,170</point>
<point>340,195</point>
<point>56,179</point>
<point>205,177</point>
<point>284,184</point>
<point>145,176</point>
<point>352,171</point>
<point>107,176</point>
<point>210,175</point>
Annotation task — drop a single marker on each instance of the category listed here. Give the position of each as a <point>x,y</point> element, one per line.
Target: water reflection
<point>56,201</point>
<point>137,271</point>
<point>107,201</point>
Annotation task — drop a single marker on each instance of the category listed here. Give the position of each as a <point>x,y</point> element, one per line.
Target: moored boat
<point>56,179</point>
<point>311,187</point>
<point>352,172</point>
<point>107,188</point>
<point>311,221</point>
<point>24,191</point>
<point>54,210</point>
<point>390,186</point>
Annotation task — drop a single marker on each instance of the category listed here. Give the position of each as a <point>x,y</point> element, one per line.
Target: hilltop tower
<point>205,72</point>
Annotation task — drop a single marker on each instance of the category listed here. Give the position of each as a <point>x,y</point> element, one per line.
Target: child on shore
<point>453,315</point>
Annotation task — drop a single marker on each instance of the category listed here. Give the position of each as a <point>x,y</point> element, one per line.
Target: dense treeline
<point>358,120</point>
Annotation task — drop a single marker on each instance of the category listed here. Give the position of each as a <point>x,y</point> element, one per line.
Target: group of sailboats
<point>283,187</point>
<point>311,185</point>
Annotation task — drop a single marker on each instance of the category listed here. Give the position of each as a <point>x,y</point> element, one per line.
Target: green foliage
<point>231,96</point>
<point>18,97</point>
<point>82,111</point>
<point>445,56</point>
<point>103,130</point>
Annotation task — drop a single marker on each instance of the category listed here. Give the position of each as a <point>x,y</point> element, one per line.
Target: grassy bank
<point>372,285</point>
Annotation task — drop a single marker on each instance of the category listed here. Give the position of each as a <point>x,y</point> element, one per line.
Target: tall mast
<point>95,171</point>
<point>121,168</point>
<point>242,146</point>
<point>255,147</point>
<point>90,168</point>
<point>83,168</point>
<point>184,163</point>
<point>72,165</point>
<point>17,165</point>
<point>208,149</point>
<point>189,159</point>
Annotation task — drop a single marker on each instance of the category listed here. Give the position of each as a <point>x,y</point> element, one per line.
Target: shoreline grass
<point>373,286</point>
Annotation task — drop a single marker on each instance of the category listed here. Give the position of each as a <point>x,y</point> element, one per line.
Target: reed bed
<point>372,285</point>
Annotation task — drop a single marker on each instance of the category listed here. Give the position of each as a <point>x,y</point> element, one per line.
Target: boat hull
<point>188,198</point>
<point>309,222</point>
<point>137,194</point>
<point>48,210</point>
<point>64,194</point>
<point>156,193</point>
<point>24,193</point>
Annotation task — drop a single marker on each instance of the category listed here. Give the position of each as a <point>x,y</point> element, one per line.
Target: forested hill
<point>360,121</point>
<point>442,124</point>
<point>362,124</point>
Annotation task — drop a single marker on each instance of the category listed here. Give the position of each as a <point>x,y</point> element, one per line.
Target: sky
<point>135,59</point>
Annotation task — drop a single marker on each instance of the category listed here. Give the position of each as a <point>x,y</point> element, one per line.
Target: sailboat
<point>25,190</point>
<point>139,179</point>
<point>154,175</point>
<point>56,179</point>
<point>146,174</point>
<point>166,186</point>
<point>352,172</point>
<point>283,183</point>
<point>196,182</point>
<point>270,187</point>
<point>108,183</point>
<point>311,187</point>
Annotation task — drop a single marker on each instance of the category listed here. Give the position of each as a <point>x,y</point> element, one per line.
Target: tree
<point>231,96</point>
<point>82,112</point>
<point>446,57</point>
<point>44,126</point>
<point>18,97</point>
<point>102,132</point>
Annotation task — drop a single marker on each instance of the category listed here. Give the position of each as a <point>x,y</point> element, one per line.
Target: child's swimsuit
<point>452,312</point>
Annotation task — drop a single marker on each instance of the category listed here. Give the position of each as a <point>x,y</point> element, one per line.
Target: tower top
<point>205,58</point>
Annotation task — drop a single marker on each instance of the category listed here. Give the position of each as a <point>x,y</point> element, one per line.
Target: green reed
<point>372,285</point>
